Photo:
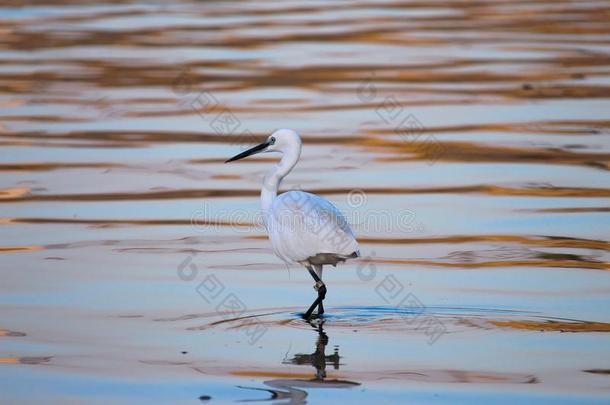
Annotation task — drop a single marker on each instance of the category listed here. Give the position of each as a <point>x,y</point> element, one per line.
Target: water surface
<point>468,144</point>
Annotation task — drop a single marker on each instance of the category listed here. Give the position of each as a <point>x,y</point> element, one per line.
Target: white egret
<point>303,227</point>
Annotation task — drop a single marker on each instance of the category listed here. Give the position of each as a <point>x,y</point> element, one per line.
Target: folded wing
<point>302,225</point>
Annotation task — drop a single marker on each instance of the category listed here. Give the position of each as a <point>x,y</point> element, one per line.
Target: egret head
<point>282,140</point>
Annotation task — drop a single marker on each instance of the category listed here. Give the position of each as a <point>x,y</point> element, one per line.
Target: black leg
<point>311,308</point>
<point>321,291</point>
<point>321,288</point>
<point>321,295</point>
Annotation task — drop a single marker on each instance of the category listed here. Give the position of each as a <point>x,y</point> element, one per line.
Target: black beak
<point>251,151</point>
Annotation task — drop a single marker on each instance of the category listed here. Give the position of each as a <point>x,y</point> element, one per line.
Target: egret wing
<point>302,225</point>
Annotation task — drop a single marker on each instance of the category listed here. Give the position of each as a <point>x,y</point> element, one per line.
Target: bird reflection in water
<point>292,391</point>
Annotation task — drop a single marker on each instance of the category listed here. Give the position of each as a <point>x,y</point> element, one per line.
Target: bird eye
<point>272,140</point>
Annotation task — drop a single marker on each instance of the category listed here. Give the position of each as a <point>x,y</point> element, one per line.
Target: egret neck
<point>274,177</point>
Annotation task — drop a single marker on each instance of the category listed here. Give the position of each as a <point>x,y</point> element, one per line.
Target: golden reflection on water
<point>555,326</point>
<point>24,360</point>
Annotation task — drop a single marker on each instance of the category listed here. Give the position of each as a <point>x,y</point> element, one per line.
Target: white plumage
<point>302,227</point>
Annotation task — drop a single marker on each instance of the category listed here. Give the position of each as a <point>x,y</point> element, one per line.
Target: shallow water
<point>468,144</point>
